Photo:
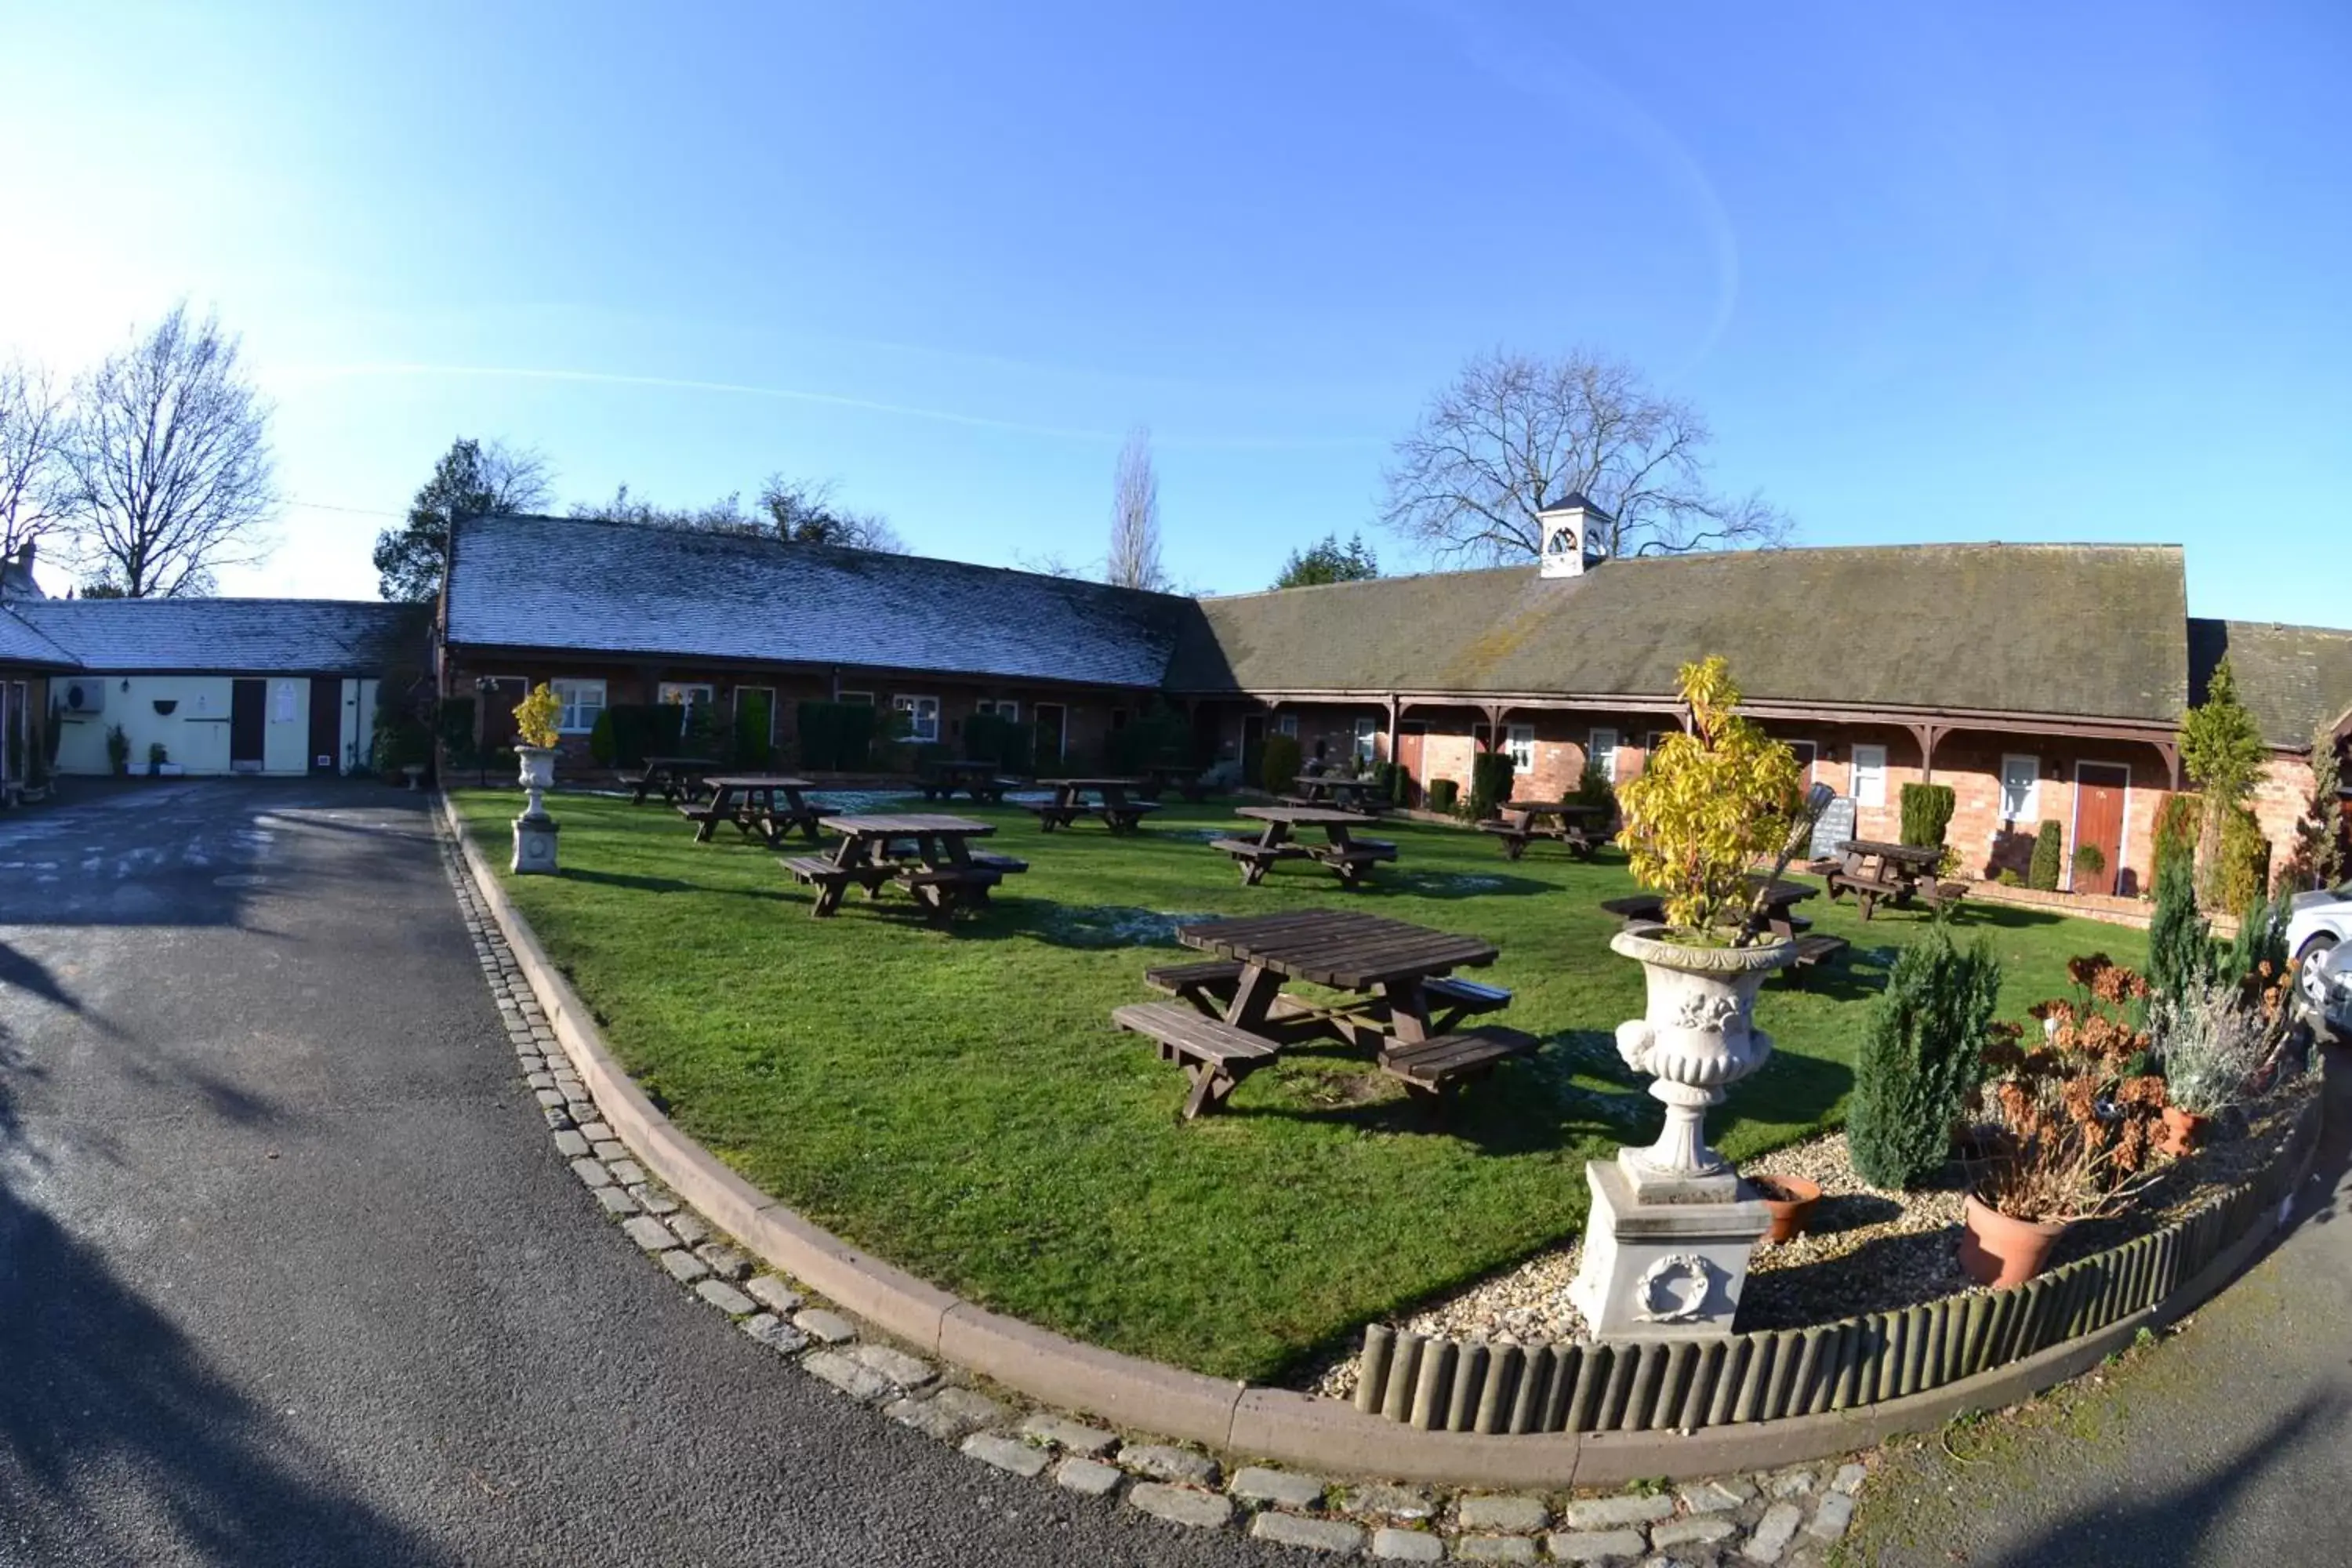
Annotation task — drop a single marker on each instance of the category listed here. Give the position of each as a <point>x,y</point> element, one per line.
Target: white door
<point>1870,775</point>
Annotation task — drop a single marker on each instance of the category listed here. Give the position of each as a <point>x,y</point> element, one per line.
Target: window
<point>863,698</point>
<point>1286,724</point>
<point>1002,706</point>
<point>1368,730</point>
<point>2021,789</point>
<point>1601,752</point>
<point>922,716</point>
<point>1870,775</point>
<point>684,694</point>
<point>1519,740</point>
<point>582,702</point>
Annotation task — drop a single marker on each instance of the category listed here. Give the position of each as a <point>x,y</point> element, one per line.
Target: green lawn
<point>959,1102</point>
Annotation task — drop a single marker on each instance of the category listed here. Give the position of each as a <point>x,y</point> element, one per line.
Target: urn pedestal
<point>534,830</point>
<point>1672,1226</point>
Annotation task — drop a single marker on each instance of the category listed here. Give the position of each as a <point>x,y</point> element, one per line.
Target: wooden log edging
<point>1686,1385</point>
<point>1573,1433</point>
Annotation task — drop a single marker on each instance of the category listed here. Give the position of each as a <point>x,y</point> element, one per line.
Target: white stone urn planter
<point>1671,1228</point>
<point>534,830</point>
<point>1696,1037</point>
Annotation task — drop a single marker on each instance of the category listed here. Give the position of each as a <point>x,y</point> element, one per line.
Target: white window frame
<point>1004,708</point>
<point>1368,738</point>
<point>1605,755</point>
<point>1519,741</point>
<point>685,694</point>
<point>1877,772</point>
<point>864,698</point>
<point>911,704</point>
<point>2029,808</point>
<point>577,718</point>
<point>1286,724</point>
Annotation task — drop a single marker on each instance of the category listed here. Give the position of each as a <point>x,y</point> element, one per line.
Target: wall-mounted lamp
<point>126,683</point>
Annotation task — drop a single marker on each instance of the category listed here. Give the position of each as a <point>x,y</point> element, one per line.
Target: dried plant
<point>2213,1045</point>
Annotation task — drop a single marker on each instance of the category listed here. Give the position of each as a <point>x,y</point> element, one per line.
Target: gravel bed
<point>1865,1250</point>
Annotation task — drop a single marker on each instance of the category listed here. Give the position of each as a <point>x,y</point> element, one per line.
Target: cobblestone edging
<point>1790,1516</point>
<point>1782,1512</point>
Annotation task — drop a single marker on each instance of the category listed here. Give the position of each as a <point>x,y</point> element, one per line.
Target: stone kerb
<point>1327,1435</point>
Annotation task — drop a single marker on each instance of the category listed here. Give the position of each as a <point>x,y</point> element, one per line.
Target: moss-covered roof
<point>2292,678</point>
<point>2087,631</point>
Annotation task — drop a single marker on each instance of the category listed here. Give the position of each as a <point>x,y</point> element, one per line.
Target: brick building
<point>2042,682</point>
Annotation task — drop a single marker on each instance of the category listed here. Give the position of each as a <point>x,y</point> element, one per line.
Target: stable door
<point>2102,794</point>
<point>248,725</point>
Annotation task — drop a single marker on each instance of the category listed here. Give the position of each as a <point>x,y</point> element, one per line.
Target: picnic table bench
<point>674,776</point>
<point>983,781</point>
<point>1873,871</point>
<point>1352,858</point>
<point>749,801</point>
<point>1232,1016</point>
<point>927,855</point>
<point>1570,822</point>
<point>1113,803</point>
<point>1341,791</point>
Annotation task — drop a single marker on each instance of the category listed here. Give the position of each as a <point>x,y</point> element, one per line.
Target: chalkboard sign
<point>1835,826</point>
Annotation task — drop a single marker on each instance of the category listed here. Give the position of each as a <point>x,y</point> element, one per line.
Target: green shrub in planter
<point>600,739</point>
<point>1490,784</point>
<point>1926,812</point>
<point>753,729</point>
<point>837,736</point>
<point>1919,1058</point>
<point>2048,858</point>
<point>1593,788</point>
<point>1445,794</point>
<point>2089,861</point>
<point>2243,875</point>
<point>2009,877</point>
<point>1279,770</point>
<point>2180,944</point>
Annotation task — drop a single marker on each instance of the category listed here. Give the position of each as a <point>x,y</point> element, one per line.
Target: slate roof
<point>624,588</point>
<point>231,635</point>
<point>21,644</point>
<point>2292,678</point>
<point>2076,630</point>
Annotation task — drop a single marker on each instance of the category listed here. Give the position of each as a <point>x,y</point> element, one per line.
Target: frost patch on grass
<point>853,802</point>
<point>1453,881</point>
<point>1115,925</point>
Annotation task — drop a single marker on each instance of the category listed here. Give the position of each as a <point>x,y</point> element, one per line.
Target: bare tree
<point>805,512</point>
<point>1134,560</point>
<point>36,485</point>
<point>169,462</point>
<point>1513,432</point>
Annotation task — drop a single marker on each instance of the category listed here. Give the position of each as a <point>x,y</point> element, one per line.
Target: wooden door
<point>1252,749</point>
<point>2100,793</point>
<point>1053,734</point>
<point>248,714</point>
<point>326,724</point>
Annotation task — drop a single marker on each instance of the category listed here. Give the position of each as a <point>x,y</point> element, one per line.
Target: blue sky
<point>1933,273</point>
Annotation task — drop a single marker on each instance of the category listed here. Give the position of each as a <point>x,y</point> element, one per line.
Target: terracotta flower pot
<point>2001,1252</point>
<point>2184,1130</point>
<point>1790,1200</point>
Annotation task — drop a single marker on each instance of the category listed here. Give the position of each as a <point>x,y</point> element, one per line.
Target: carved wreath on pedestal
<point>1675,1289</point>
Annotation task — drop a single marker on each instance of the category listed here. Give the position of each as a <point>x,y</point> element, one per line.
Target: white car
<point>2333,969</point>
<point>2317,923</point>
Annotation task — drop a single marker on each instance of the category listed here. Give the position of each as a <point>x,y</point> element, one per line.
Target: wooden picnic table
<point>749,801</point>
<point>1404,1002</point>
<point>1570,822</point>
<point>1114,803</point>
<point>928,854</point>
<point>1352,858</point>
<point>1339,789</point>
<point>674,776</point>
<point>983,780</point>
<point>1874,870</point>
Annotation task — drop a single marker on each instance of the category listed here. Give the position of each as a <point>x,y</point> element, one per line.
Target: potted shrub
<point>2210,1047</point>
<point>156,757</point>
<point>536,717</point>
<point>2074,1126</point>
<point>2090,864</point>
<point>118,751</point>
<point>1712,803</point>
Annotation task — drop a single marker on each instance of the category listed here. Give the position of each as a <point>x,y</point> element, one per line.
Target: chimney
<point>1568,524</point>
<point>25,556</point>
